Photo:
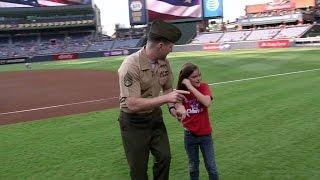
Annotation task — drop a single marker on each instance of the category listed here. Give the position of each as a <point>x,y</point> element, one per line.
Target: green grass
<point>263,129</point>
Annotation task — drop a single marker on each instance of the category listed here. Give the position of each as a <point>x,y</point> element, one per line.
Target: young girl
<point>195,120</point>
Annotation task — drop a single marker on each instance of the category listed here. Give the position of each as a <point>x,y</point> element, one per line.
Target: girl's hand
<point>182,114</point>
<point>187,83</point>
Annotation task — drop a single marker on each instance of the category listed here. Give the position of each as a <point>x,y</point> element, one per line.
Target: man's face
<point>164,49</point>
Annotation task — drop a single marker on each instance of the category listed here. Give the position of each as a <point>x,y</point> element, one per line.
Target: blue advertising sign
<point>213,8</point>
<point>137,12</point>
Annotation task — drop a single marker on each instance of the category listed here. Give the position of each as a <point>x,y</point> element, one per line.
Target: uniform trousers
<point>141,134</point>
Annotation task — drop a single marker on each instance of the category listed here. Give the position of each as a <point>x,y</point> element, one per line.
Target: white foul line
<point>274,75</point>
<point>98,100</point>
<point>61,105</point>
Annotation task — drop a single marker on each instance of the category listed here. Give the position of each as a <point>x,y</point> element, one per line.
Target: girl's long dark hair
<point>186,71</point>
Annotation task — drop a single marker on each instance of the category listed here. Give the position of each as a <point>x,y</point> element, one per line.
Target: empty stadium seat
<point>291,32</point>
<point>207,37</point>
<point>262,34</point>
<point>234,36</point>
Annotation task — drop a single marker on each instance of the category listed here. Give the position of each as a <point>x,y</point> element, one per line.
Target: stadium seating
<point>292,32</point>
<point>207,38</point>
<point>4,51</point>
<point>234,36</point>
<point>253,34</point>
<point>100,45</point>
<point>4,40</point>
<point>55,43</point>
<point>263,34</point>
<point>48,44</point>
<point>125,43</point>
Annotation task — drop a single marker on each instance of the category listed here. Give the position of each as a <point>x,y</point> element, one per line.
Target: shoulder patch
<point>128,80</point>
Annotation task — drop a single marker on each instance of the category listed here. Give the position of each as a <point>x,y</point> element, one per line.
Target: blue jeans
<point>192,144</point>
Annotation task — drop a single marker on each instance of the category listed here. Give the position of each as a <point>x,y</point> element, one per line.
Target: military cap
<point>161,29</point>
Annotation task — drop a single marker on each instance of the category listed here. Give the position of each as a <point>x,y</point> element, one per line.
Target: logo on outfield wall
<point>116,53</point>
<point>213,5</point>
<point>216,47</point>
<point>274,44</point>
<point>12,60</point>
<point>65,56</point>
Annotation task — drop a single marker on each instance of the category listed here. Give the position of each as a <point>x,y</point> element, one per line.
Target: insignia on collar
<point>128,80</point>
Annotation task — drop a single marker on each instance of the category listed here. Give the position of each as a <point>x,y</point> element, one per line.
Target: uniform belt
<point>126,110</point>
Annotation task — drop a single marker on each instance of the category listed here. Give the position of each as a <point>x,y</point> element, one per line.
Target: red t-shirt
<point>198,121</point>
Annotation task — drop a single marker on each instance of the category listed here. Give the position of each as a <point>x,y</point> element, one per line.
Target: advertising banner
<point>12,60</point>
<point>213,8</point>
<point>280,4</point>
<point>58,57</point>
<point>216,47</point>
<point>116,53</point>
<point>137,12</point>
<point>274,44</point>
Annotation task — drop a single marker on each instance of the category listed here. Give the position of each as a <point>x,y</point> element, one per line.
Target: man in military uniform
<point>142,76</point>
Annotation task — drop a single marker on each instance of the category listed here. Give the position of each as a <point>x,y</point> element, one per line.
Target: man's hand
<point>176,96</point>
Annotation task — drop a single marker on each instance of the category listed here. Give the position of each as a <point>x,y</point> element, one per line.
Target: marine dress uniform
<point>143,132</point>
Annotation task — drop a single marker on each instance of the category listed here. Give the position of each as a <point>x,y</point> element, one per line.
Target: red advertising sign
<point>58,57</point>
<point>211,47</point>
<point>274,44</point>
<point>280,4</point>
<point>216,47</point>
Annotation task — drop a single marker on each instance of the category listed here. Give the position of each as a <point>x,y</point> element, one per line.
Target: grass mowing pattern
<point>263,129</point>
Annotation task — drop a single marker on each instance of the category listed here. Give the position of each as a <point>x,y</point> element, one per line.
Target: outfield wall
<point>72,56</point>
<point>307,42</point>
<point>178,48</point>
<point>281,43</point>
<point>226,46</point>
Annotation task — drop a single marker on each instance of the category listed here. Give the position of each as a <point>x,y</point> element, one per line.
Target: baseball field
<point>59,119</point>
